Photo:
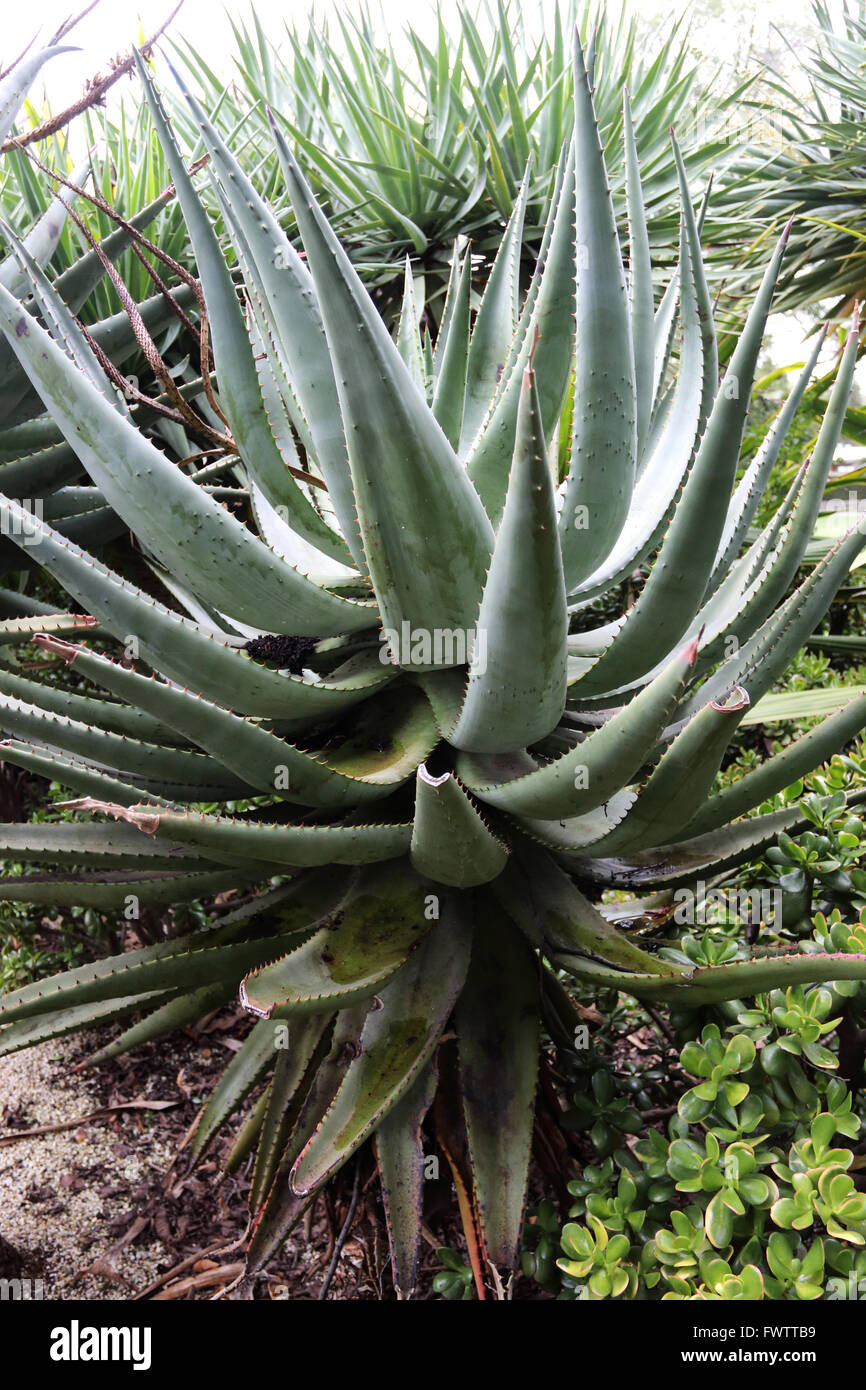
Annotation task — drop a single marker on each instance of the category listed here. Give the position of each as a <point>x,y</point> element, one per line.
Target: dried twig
<point>100,1114</point>
<point>93,94</point>
<point>343,1236</point>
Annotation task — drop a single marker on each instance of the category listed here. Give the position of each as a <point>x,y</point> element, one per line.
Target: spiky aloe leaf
<point>546,331</point>
<point>378,927</point>
<point>555,916</point>
<point>714,983</point>
<point>780,771</point>
<point>429,575</point>
<point>298,846</point>
<point>396,1042</point>
<point>283,1207</point>
<point>178,964</point>
<point>640,283</point>
<point>233,354</point>
<point>13,88</point>
<point>189,532</point>
<point>450,842</point>
<point>587,776</point>
<point>400,1153</point>
<point>307,1044</point>
<point>176,1013</point>
<point>517,678</point>
<point>604,440</point>
<point>43,1028</point>
<point>680,573</point>
<point>246,1067</point>
<point>452,353</point>
<point>702,856</point>
<point>495,324</point>
<point>498,1039</point>
<point>669,449</point>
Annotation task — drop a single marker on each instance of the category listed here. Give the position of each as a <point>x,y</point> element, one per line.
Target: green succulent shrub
<point>386,664</point>
<point>739,1197</point>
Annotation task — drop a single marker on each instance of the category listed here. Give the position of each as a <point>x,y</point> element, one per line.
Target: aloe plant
<point>393,662</point>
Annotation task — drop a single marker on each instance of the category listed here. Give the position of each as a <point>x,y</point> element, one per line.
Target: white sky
<point>114,24</point>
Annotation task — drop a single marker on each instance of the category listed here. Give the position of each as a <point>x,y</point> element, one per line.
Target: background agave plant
<point>439,753</point>
<point>818,174</point>
<point>408,150</point>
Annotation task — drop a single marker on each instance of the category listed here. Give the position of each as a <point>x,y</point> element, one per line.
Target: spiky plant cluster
<point>391,662</point>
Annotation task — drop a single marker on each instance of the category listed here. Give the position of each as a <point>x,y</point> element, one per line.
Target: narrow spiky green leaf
<point>498,1038</point>
<point>517,678</point>
<point>426,538</point>
<point>396,1043</point>
<point>604,439</point>
<point>450,841</point>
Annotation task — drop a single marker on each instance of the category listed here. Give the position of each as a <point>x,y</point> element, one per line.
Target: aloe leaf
<point>669,452</point>
<point>101,714</point>
<point>741,979</point>
<point>680,782</point>
<point>116,752</point>
<point>256,1054</point>
<point>92,846</point>
<point>750,488</point>
<point>517,677</point>
<point>555,916</point>
<point>783,769</point>
<point>58,319</point>
<point>604,436</point>
<point>79,776</point>
<point>452,351</point>
<point>178,964</point>
<point>307,1043</point>
<point>495,323</point>
<point>30,1031</point>
<point>190,533</point>
<point>400,1153</point>
<point>121,889</point>
<point>755,586</point>
<point>284,285</point>
<point>299,846</point>
<point>671,596</point>
<point>269,762</point>
<point>306,537</point>
<point>702,856</point>
<point>240,391</point>
<point>13,630</point>
<point>408,340</point>
<point>693,227</point>
<point>640,282</point>
<point>379,925</point>
<point>498,1040</point>
<point>177,1013</point>
<point>41,241</point>
<point>450,841</point>
<point>596,768</point>
<point>282,1207</point>
<point>179,649</point>
<point>430,576</point>
<point>762,659</point>
<point>545,331</point>
<point>16,82</point>
<point>397,1041</point>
